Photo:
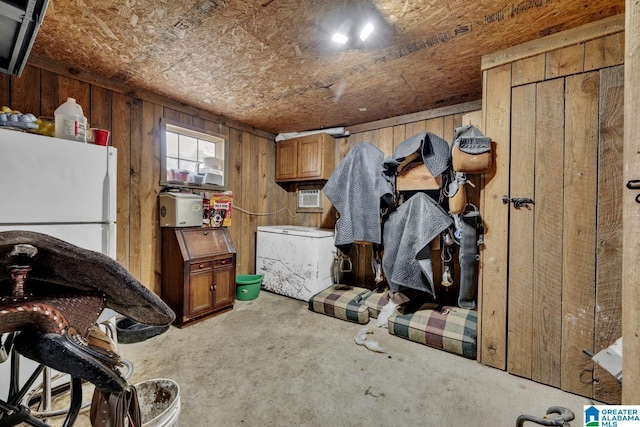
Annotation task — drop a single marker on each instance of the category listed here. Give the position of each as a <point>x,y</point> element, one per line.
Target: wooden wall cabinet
<point>306,158</point>
<point>198,272</point>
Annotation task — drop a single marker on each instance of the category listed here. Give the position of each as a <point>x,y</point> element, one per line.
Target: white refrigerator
<point>63,188</point>
<point>58,187</point>
<point>296,261</point>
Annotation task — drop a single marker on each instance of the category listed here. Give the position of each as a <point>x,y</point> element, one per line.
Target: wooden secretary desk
<point>198,272</point>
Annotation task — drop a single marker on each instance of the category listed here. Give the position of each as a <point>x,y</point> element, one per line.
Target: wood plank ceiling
<point>270,63</point>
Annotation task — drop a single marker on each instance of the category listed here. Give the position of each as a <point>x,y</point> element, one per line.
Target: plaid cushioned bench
<point>375,301</point>
<point>453,329</point>
<point>343,302</point>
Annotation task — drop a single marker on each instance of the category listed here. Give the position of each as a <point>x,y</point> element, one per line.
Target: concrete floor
<point>272,362</point>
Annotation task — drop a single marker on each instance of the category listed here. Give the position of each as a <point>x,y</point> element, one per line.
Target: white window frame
<point>221,152</point>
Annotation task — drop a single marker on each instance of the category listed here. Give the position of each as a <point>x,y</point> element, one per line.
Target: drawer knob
<point>201,266</point>
<point>213,287</point>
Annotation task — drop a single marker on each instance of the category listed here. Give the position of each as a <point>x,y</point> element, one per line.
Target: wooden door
<point>564,278</point>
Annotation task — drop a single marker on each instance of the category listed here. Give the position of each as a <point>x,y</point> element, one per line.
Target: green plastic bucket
<point>248,286</point>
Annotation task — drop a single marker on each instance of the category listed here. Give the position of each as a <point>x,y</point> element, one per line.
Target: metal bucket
<point>159,402</point>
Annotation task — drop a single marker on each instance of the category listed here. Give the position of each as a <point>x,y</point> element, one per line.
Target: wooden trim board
<point>584,33</point>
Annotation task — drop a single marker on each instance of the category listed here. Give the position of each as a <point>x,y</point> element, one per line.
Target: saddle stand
<point>51,295</point>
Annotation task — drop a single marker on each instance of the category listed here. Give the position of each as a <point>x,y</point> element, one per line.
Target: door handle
<point>634,184</point>
<point>518,202</point>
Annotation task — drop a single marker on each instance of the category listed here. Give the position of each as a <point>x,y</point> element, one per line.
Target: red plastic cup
<point>100,136</point>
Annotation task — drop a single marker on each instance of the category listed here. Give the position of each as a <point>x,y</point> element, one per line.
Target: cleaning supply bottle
<point>70,121</point>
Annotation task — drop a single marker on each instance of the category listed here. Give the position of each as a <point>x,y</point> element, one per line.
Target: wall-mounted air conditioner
<point>308,198</point>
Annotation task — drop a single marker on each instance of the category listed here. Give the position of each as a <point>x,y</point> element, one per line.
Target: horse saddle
<point>51,295</point>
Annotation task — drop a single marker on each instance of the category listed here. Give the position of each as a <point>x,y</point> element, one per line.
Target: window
<point>192,157</point>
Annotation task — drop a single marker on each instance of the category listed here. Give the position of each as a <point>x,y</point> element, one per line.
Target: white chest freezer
<point>296,261</point>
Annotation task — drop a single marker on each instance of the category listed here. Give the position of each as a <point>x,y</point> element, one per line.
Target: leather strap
<point>468,257</point>
<point>115,409</point>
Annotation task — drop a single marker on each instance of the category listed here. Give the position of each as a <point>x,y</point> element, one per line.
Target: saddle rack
<point>51,296</point>
<point>13,412</point>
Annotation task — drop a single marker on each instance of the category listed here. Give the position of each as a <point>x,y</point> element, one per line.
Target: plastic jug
<point>70,121</point>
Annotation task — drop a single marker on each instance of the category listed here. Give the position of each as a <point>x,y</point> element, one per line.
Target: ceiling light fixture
<point>356,26</point>
<point>366,31</point>
<point>340,38</point>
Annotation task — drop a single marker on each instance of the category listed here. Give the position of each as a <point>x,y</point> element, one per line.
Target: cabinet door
<point>224,285</point>
<point>286,165</point>
<point>200,292</point>
<point>310,157</point>
<point>203,242</point>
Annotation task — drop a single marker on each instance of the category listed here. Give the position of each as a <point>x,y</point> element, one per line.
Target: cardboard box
<point>220,209</point>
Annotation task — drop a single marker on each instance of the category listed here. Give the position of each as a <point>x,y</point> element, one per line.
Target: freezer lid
<point>296,230</point>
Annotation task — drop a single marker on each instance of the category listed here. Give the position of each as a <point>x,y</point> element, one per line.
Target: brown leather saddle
<point>51,295</point>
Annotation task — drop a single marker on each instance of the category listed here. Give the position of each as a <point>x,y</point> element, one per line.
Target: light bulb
<point>366,31</point>
<point>340,38</point>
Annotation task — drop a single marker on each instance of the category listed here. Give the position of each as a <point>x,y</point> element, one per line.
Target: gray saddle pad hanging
<point>408,233</point>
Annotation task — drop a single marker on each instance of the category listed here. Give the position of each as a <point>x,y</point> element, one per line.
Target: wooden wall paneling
<point>370,136</point>
<point>435,126</point>
<point>547,273</point>
<point>579,228</point>
<point>415,117</point>
<point>150,244</point>
<point>121,86</point>
<point>496,107</point>
<point>177,116</point>
<point>631,211</point>
<point>265,170</point>
<point>72,88</point>
<point>414,128</point>
<point>210,126</point>
<point>121,140</point>
<point>135,190</point>
<point>385,141</point>
<point>293,217</point>
<point>593,30</point>
<point>608,294</point>
<point>528,70</point>
<point>100,108</point>
<point>521,241</point>
<point>564,61</point>
<point>399,136</point>
<point>49,99</point>
<point>344,145</point>
<point>234,183</point>
<point>25,91</point>
<point>246,256</point>
<point>272,188</point>
<point>449,128</point>
<point>5,90</point>
<point>604,52</point>
<point>198,122</point>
